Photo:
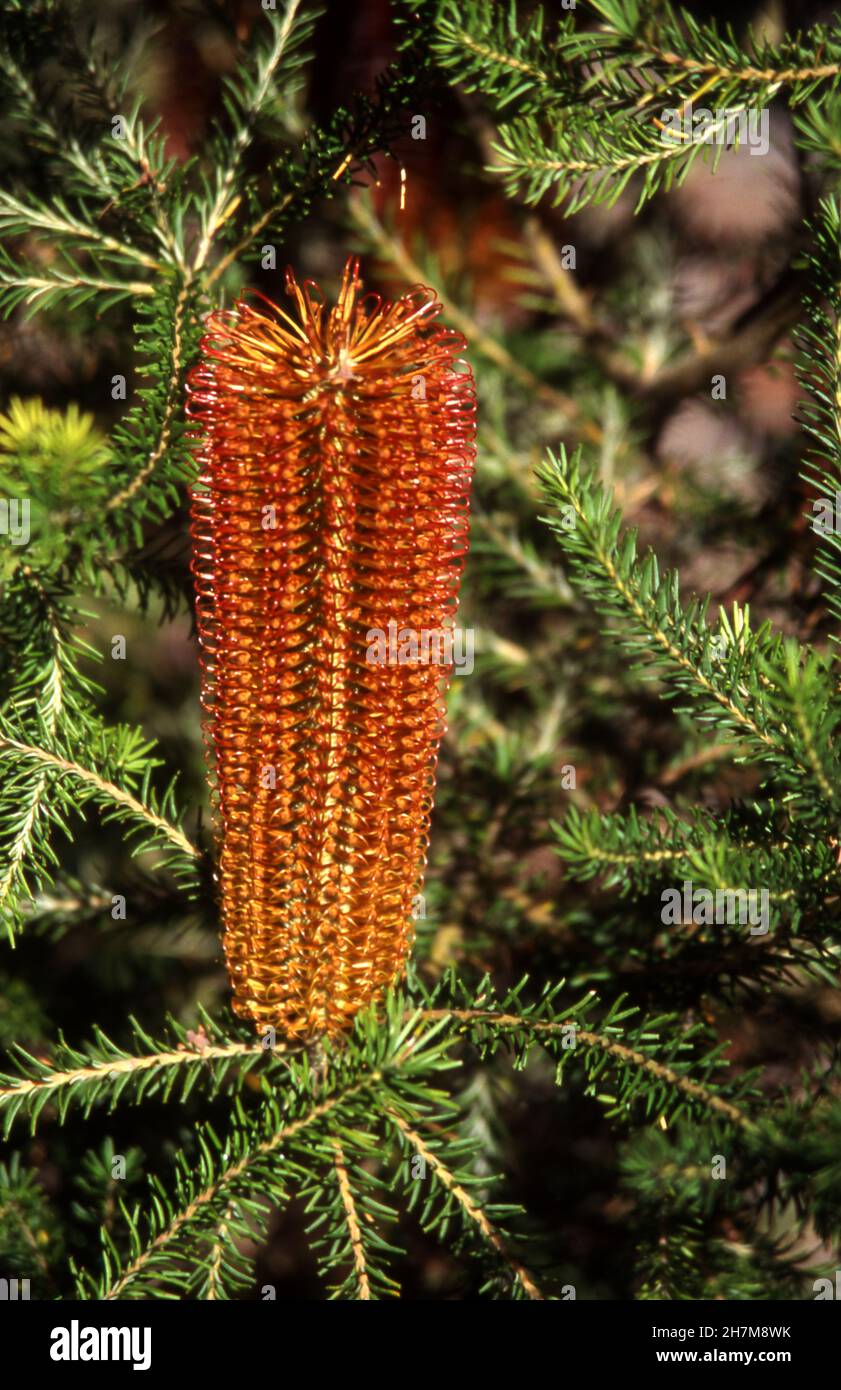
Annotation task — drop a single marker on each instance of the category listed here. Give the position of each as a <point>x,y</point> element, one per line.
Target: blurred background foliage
<point>600,327</point>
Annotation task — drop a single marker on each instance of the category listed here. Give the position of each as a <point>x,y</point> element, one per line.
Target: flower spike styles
<point>336,450</point>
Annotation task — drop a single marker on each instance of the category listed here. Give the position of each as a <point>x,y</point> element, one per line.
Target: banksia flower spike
<point>336,452</point>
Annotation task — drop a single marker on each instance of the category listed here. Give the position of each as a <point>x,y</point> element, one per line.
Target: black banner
<point>72,1339</point>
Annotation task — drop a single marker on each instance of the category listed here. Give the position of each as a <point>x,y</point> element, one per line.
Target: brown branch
<point>784,76</point>
<point>228,1176</point>
<point>714,752</point>
<point>119,1066</point>
<point>354,1230</point>
<point>608,1045</point>
<point>465,1201</point>
<point>215,1265</point>
<point>109,789</point>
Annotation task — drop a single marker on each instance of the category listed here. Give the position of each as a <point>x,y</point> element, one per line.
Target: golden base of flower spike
<point>336,453</point>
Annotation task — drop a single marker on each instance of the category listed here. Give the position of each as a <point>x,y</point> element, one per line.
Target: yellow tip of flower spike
<point>336,448</point>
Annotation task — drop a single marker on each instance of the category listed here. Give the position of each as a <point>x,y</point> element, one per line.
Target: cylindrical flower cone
<point>329,527</point>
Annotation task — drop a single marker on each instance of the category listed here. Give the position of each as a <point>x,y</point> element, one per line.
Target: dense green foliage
<point>550,1013</point>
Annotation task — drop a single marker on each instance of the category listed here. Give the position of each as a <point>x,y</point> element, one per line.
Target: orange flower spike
<point>331,513</point>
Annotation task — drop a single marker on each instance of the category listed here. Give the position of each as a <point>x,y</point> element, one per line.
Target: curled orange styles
<point>329,528</point>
